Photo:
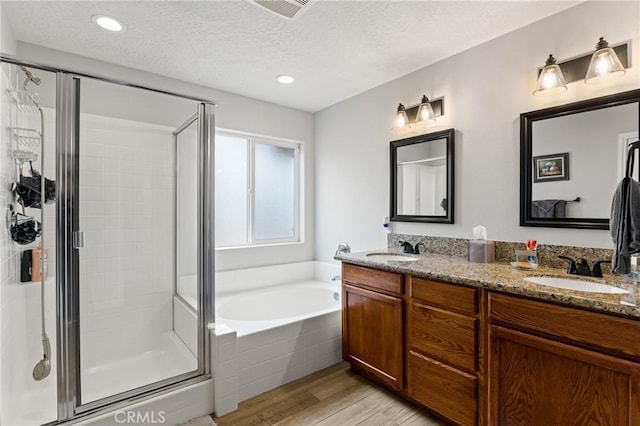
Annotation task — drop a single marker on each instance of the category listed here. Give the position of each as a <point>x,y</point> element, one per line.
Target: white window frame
<point>297,147</point>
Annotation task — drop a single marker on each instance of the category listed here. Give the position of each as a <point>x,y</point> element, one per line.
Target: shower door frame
<point>69,379</point>
<point>176,274</point>
<point>68,242</point>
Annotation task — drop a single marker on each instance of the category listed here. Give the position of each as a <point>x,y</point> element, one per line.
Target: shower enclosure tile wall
<point>126,210</point>
<point>8,251</point>
<point>22,399</point>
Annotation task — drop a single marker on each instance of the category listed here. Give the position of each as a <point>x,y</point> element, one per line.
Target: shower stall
<point>88,297</point>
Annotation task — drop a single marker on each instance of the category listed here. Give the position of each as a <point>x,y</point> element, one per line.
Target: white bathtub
<point>257,310</point>
<point>274,324</point>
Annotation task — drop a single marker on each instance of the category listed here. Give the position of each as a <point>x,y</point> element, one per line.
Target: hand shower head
<point>31,77</point>
<point>43,367</point>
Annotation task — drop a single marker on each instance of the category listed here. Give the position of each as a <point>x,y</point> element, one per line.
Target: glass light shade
<point>425,111</point>
<point>551,80</point>
<point>401,116</point>
<point>605,65</point>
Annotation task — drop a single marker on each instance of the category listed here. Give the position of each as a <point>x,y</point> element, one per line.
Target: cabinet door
<point>372,334</point>
<point>536,381</point>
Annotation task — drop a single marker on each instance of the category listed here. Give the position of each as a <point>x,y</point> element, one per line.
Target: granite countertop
<point>504,278</point>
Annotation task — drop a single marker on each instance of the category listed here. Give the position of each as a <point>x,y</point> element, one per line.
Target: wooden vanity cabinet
<point>557,365</point>
<point>372,313</point>
<point>478,357</point>
<point>442,348</point>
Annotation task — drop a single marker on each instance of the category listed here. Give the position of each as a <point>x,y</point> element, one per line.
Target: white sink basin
<point>577,285</point>
<point>394,257</point>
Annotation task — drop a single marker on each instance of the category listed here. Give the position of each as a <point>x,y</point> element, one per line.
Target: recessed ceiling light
<point>108,23</point>
<point>285,79</point>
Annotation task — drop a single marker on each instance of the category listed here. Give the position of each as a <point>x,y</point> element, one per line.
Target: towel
<point>548,208</point>
<point>625,224</point>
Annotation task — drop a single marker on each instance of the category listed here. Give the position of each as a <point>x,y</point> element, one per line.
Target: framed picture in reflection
<point>552,167</point>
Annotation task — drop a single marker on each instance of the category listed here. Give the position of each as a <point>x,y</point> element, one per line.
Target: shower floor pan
<point>112,377</point>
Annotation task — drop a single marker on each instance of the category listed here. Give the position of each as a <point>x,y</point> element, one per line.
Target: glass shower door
<point>186,184</point>
<point>131,335</point>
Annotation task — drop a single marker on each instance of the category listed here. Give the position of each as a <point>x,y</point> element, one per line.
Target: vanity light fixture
<point>551,80</point>
<point>401,116</point>
<point>605,64</point>
<point>108,23</point>
<point>425,111</point>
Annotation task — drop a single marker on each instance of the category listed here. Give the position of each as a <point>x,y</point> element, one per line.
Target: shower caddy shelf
<point>26,141</point>
<point>26,144</point>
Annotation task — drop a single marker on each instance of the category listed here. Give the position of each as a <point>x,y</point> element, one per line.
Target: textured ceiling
<point>335,49</point>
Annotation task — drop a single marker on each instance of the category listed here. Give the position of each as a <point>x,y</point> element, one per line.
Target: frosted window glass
<point>231,177</point>
<point>274,192</point>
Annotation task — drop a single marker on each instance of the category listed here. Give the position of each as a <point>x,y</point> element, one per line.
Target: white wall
<point>7,40</point>
<point>234,112</point>
<point>485,89</point>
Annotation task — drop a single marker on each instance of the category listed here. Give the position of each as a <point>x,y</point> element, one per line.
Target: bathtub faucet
<point>343,248</point>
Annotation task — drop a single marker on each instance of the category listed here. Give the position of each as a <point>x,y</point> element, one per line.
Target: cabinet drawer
<point>448,296</point>
<point>388,282</point>
<point>611,334</point>
<point>447,391</point>
<point>443,335</point>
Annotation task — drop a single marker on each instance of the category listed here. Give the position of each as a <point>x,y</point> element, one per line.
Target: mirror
<point>572,158</point>
<point>422,178</point>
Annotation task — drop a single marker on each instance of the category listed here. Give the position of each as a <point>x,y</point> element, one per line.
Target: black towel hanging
<point>633,146</point>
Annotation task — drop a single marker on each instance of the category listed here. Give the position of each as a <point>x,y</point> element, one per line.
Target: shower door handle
<point>78,239</point>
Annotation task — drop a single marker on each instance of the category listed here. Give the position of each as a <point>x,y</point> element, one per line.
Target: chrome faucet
<point>343,248</point>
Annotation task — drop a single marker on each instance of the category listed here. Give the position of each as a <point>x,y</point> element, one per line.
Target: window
<point>257,190</point>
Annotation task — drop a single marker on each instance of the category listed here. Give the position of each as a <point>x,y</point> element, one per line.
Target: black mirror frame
<point>448,135</point>
<point>526,151</point>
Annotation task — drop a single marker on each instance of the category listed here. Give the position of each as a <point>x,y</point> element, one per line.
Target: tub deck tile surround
<point>225,363</point>
<point>502,277</point>
<point>249,358</point>
<point>333,396</point>
<point>269,359</point>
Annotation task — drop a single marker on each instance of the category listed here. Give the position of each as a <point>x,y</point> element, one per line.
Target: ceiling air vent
<point>286,8</point>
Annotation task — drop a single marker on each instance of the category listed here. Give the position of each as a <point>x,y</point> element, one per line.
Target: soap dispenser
<point>39,263</point>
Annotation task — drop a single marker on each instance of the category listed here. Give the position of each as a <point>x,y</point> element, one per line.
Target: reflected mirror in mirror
<point>422,178</point>
<point>572,159</point>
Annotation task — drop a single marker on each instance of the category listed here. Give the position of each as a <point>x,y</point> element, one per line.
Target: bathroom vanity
<point>476,344</point>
